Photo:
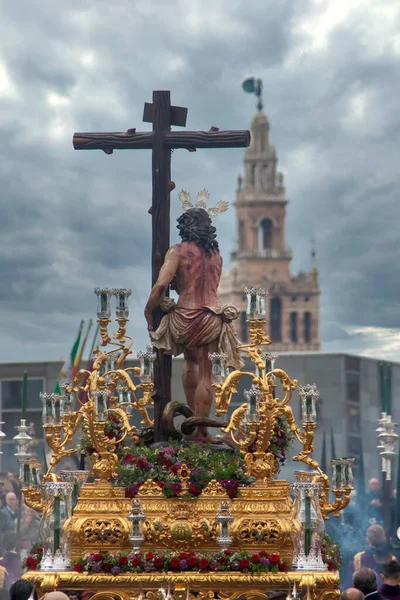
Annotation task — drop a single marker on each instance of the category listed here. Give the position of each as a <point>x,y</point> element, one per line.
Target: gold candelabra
<point>108,389</point>
<point>251,425</point>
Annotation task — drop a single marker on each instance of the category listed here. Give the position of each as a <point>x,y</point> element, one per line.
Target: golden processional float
<point>180,535</point>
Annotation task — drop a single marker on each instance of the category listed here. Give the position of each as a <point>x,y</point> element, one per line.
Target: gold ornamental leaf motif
<point>109,531</point>
<point>250,531</point>
<point>150,488</point>
<point>214,488</point>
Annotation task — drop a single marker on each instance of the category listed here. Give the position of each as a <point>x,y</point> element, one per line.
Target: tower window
<point>265,176</point>
<point>265,236</point>
<point>307,327</point>
<point>243,327</point>
<point>293,326</point>
<point>276,320</point>
<point>241,235</point>
<point>253,175</point>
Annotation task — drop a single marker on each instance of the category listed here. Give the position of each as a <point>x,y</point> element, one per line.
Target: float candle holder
<point>253,397</point>
<point>309,395</point>
<point>224,518</point>
<point>146,364</point>
<point>103,309</point>
<point>219,371</point>
<point>56,543</point>
<point>24,395</point>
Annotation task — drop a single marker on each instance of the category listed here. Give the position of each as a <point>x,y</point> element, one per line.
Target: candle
<point>24,395</point>
<point>57,409</point>
<point>224,529</point>
<point>35,477</point>
<point>57,528</point>
<point>253,304</point>
<point>27,474</point>
<point>382,386</point>
<point>103,302</point>
<point>146,365</point>
<point>307,525</point>
<point>308,406</point>
<point>135,528</point>
<point>253,403</point>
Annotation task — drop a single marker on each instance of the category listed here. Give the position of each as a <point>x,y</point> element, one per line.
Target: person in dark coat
<point>366,581</point>
<point>391,580</point>
<point>11,561</point>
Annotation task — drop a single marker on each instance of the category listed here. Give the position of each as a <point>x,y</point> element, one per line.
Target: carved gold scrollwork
<point>251,531</point>
<point>109,531</point>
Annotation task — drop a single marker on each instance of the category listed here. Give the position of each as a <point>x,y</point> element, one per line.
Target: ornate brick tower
<point>262,258</point>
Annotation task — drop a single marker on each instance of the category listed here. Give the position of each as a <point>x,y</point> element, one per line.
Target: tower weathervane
<point>254,86</point>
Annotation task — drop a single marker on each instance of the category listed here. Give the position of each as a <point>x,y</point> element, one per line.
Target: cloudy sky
<point>71,220</point>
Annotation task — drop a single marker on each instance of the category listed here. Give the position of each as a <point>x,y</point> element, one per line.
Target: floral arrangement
<point>34,558</point>
<point>227,560</point>
<point>163,465</point>
<point>139,463</point>
<point>331,554</point>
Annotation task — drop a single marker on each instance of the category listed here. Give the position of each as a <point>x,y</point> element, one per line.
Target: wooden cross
<point>161,141</point>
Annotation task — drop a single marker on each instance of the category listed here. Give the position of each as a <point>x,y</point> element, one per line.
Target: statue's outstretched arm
<point>166,275</point>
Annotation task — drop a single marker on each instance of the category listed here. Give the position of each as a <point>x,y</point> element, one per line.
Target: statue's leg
<point>190,376</point>
<point>204,391</point>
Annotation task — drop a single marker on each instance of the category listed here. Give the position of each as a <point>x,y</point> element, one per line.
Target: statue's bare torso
<point>197,277</point>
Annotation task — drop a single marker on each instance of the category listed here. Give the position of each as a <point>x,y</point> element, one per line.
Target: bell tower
<point>262,258</point>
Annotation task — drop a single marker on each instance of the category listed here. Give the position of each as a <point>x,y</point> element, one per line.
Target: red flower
<point>203,564</point>
<point>193,489</point>
<point>183,555</point>
<point>110,435</point>
<point>243,564</point>
<point>255,558</point>
<point>97,557</point>
<point>158,562</point>
<point>32,563</point>
<point>78,567</point>
<point>274,559</point>
<point>263,553</point>
<point>160,483</point>
<point>141,463</point>
<point>176,488</point>
<point>107,567</point>
<point>192,561</point>
<point>283,567</point>
<point>123,560</point>
<point>136,562</point>
<point>223,560</point>
<point>174,468</point>
<point>228,552</point>
<point>174,563</point>
<point>166,462</point>
<point>331,566</point>
<point>129,458</point>
<point>149,556</point>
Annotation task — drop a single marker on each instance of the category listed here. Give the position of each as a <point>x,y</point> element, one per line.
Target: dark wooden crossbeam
<point>161,140</point>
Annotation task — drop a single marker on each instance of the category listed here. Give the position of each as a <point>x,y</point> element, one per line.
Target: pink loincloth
<point>194,327</point>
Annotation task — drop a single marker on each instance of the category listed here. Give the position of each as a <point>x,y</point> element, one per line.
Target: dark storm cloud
<point>72,220</point>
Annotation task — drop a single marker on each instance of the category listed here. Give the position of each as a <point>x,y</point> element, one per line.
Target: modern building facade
<point>349,405</point>
<point>262,258</point>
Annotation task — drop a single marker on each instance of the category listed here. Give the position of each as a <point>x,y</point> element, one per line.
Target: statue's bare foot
<point>208,439</point>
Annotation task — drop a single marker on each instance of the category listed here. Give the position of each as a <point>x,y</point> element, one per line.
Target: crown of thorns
<point>202,199</point>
